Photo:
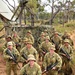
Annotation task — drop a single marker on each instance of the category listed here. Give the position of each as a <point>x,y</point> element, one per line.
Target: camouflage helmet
<point>45,30</point>
<point>42,34</point>
<point>52,47</point>
<point>29,41</point>
<point>47,37</point>
<point>55,32</point>
<point>66,40</point>
<point>31,57</point>
<point>29,31</point>
<point>25,39</point>
<point>8,36</point>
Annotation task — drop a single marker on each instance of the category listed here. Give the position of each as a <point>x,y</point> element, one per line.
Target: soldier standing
<point>16,40</point>
<point>65,35</point>
<point>31,68</point>
<point>70,40</point>
<point>50,58</point>
<point>10,64</point>
<point>46,32</point>
<point>24,42</point>
<point>44,46</point>
<point>66,51</point>
<point>29,49</point>
<point>8,38</point>
<point>57,40</point>
<point>30,36</point>
<point>41,38</point>
<point>15,37</point>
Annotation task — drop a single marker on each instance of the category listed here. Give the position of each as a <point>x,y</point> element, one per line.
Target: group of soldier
<point>54,51</point>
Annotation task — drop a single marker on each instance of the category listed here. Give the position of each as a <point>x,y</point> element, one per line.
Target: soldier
<point>24,42</point>
<point>65,35</point>
<point>66,51</point>
<point>17,40</point>
<point>57,40</point>
<point>10,64</point>
<point>51,58</point>
<point>29,49</point>
<point>15,37</point>
<point>41,38</point>
<point>70,40</point>
<point>46,32</point>
<point>8,39</point>
<point>52,33</point>
<point>31,68</point>
<point>30,36</point>
<point>44,47</point>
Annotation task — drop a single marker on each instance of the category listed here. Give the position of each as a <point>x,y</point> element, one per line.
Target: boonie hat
<point>31,57</point>
<point>9,43</point>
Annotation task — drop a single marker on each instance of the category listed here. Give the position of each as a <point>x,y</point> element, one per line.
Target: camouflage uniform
<point>27,51</point>
<point>66,62</point>
<point>41,38</point>
<point>64,35</point>
<point>17,40</point>
<point>34,70</point>
<point>70,40</point>
<point>44,46</point>
<point>51,59</point>
<point>46,32</point>
<point>10,65</point>
<point>30,36</point>
<point>57,40</point>
<point>24,42</point>
<point>9,39</point>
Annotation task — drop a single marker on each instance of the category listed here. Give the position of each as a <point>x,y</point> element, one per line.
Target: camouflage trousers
<point>10,67</point>
<point>52,72</point>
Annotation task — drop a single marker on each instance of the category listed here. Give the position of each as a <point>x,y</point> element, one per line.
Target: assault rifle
<point>14,58</point>
<point>18,45</point>
<point>50,67</point>
<point>24,73</point>
<point>56,45</point>
<point>44,50</point>
<point>12,55</point>
<point>64,52</point>
<point>24,56</point>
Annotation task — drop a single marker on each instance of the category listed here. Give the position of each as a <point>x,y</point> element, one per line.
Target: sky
<point>47,8</point>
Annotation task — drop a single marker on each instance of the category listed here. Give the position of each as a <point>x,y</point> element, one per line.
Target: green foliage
<point>1,25</point>
<point>44,16</point>
<point>70,26</point>
<point>33,5</point>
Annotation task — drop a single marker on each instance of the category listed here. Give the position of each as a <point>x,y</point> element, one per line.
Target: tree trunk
<point>51,20</point>
<point>53,16</point>
<point>20,17</point>
<point>24,17</point>
<point>32,20</point>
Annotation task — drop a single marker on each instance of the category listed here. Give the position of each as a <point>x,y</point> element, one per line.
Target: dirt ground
<point>2,62</point>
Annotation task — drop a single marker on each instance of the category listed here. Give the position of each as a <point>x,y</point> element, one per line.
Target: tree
<point>32,9</point>
<point>56,6</point>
